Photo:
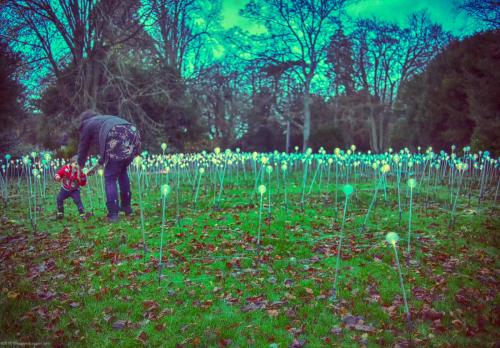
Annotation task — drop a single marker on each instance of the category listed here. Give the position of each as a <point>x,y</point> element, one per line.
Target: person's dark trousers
<point>75,195</point>
<point>117,171</point>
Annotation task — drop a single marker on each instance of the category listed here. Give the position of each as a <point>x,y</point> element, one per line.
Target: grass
<point>85,284</point>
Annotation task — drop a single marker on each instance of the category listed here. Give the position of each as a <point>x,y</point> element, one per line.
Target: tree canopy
<point>303,74</point>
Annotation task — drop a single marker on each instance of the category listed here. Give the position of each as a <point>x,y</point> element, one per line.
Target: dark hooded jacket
<point>94,130</point>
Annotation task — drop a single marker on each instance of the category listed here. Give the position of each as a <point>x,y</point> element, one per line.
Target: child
<point>71,178</point>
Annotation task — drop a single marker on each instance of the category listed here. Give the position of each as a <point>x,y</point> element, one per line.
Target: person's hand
<point>93,170</point>
<point>57,177</point>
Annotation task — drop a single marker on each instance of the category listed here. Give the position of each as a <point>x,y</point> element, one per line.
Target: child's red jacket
<point>69,178</point>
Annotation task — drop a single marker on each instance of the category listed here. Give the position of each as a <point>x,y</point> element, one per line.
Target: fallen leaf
<point>336,331</point>
<point>160,327</point>
<point>12,295</point>
<point>457,323</point>
<point>431,314</point>
<point>364,328</point>
<point>357,323</point>
<point>119,324</point>
<point>273,313</point>
<point>225,342</point>
<point>297,343</point>
<point>143,338</point>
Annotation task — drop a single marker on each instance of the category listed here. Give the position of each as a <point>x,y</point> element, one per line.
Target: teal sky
<point>440,11</point>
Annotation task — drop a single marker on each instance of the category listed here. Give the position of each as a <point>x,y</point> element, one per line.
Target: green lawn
<point>91,284</point>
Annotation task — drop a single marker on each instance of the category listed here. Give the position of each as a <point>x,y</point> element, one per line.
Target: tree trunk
<point>381,142</point>
<point>373,127</point>
<point>307,115</point>
<point>94,86</point>
<point>287,144</point>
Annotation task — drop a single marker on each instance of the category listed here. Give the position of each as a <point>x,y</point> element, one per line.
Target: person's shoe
<point>60,216</point>
<point>126,210</point>
<point>113,218</point>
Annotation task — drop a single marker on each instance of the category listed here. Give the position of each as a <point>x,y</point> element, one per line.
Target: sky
<point>440,11</point>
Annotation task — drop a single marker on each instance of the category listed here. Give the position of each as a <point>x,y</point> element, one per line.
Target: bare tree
<point>74,34</point>
<point>177,28</point>
<point>297,31</point>
<point>485,11</point>
<point>224,98</point>
<point>383,56</point>
<point>283,90</point>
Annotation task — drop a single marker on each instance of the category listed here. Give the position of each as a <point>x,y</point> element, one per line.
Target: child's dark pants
<point>75,195</point>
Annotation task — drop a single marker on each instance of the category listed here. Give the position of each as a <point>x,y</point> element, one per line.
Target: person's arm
<point>83,146</point>
<point>94,169</point>
<point>60,174</point>
<point>82,179</point>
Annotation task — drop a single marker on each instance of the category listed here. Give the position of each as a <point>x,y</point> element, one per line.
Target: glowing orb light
<point>412,183</point>
<point>138,161</point>
<point>392,238</point>
<point>165,190</point>
<point>348,189</point>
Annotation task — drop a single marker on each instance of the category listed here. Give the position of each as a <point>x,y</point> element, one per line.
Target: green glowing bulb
<point>163,146</point>
<point>100,172</point>
<point>412,183</point>
<point>262,189</point>
<point>392,238</point>
<point>138,161</point>
<point>165,190</point>
<point>269,169</point>
<point>348,189</point>
<point>202,170</point>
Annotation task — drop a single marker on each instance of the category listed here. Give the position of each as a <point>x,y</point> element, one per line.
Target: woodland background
<point>311,76</point>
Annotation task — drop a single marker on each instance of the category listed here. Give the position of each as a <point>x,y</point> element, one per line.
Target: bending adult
<point>118,142</point>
